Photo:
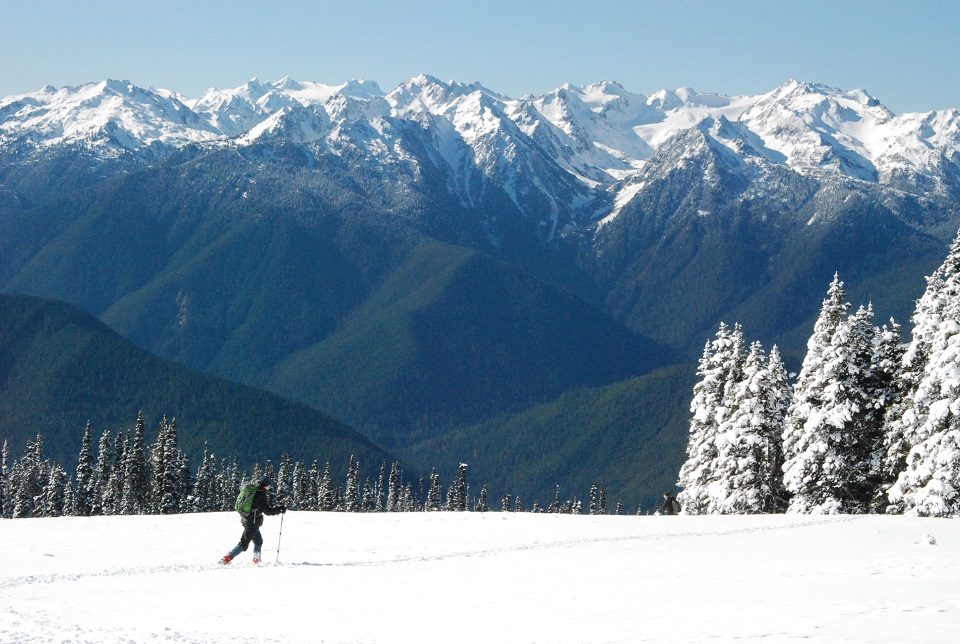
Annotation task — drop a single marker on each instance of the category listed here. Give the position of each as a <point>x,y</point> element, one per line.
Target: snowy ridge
<point>564,145</point>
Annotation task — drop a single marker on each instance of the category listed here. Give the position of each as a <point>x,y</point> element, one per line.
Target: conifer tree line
<point>869,425</point>
<point>122,476</point>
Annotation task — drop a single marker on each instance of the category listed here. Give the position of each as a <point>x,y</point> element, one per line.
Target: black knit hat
<point>264,481</point>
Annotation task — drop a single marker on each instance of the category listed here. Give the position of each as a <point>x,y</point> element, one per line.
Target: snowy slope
<point>490,577</point>
<point>111,115</point>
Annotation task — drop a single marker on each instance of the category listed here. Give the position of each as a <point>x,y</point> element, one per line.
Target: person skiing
<point>252,520</point>
<point>670,504</point>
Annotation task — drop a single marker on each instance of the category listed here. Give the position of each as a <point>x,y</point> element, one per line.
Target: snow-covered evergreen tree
<point>6,508</point>
<point>352,494</point>
<point>136,475</point>
<point>720,371</point>
<point>283,486</point>
<point>749,450</point>
<point>55,492</point>
<point>834,457</point>
<point>83,490</point>
<point>924,428</point>
<point>482,502</point>
<point>28,478</point>
<point>326,500</point>
<point>457,493</point>
<point>395,488</point>
<point>102,472</point>
<point>434,496</point>
<point>204,489</point>
<point>113,492</point>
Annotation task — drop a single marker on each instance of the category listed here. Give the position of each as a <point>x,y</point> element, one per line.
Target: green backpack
<point>245,499</point>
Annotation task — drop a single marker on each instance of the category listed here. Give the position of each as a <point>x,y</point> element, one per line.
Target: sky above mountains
<point>902,53</point>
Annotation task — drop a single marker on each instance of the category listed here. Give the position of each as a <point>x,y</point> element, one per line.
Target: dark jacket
<point>261,506</point>
<point>670,505</point>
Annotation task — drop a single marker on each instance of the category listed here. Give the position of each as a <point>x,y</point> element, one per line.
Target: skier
<point>252,521</point>
<point>670,504</point>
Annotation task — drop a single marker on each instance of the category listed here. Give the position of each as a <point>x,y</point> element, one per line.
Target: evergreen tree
<point>749,451</point>
<point>434,498</point>
<point>554,507</point>
<point>506,503</point>
<point>380,487</point>
<point>113,494</point>
<point>54,492</point>
<point>283,486</point>
<point>83,491</point>
<point>594,500</point>
<point>924,428</point>
<point>311,499</point>
<point>301,488</point>
<point>482,504</point>
<point>714,399</point>
<point>69,496</point>
<point>101,474</point>
<point>166,490</point>
<point>136,475</point>
<point>834,462</point>
<point>352,498</point>
<point>326,500</point>
<point>28,478</point>
<point>204,489</point>
<point>457,493</point>
<point>5,504</point>
<point>395,491</point>
<point>811,384</point>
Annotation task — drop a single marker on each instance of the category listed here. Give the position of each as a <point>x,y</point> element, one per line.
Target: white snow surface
<point>490,577</point>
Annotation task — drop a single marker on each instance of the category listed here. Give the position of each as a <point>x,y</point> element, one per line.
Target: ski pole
<point>279,536</point>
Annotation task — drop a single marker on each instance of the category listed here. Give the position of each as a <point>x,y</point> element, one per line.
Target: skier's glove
<point>283,509</point>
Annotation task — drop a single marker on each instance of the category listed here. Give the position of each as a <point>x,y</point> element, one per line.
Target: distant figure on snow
<point>670,504</point>
<point>252,504</point>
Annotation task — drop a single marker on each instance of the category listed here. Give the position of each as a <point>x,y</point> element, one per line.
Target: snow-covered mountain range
<point>580,151</point>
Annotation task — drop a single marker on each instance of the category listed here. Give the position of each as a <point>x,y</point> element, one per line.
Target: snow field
<point>492,577</point>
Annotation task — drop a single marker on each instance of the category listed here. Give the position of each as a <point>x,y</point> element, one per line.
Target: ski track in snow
<point>15,582</point>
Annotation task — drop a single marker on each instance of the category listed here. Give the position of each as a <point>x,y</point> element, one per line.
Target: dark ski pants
<point>249,534</point>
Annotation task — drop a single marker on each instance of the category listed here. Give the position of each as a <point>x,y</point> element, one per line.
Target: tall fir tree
<point>113,492</point>
<point>283,486</point>
<point>809,391</point>
<point>457,493</point>
<point>136,475</point>
<point>714,398</point>
<point>326,499</point>
<point>5,482</point>
<point>924,427</point>
<point>55,492</point>
<point>102,472</point>
<point>434,496</point>
<point>83,489</point>
<point>204,491</point>
<point>29,476</point>
<point>395,489</point>
<point>352,498</point>
<point>834,465</point>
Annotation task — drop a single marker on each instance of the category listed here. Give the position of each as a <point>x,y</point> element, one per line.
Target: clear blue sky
<point>904,52</point>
